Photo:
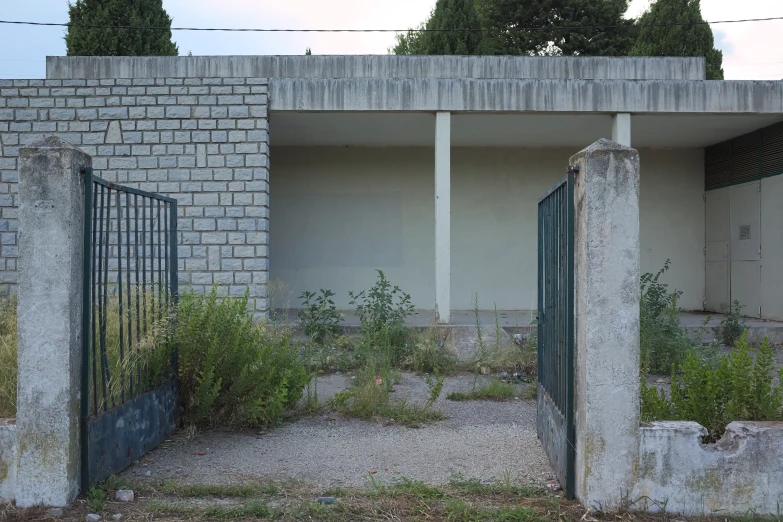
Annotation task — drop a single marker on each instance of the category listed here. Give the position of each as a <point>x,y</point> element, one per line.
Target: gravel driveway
<point>481,439</point>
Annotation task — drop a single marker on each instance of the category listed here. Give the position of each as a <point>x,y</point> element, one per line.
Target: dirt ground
<point>480,439</point>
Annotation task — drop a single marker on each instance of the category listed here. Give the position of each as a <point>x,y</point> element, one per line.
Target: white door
<point>717,296</point>
<point>772,248</point>
<point>745,246</point>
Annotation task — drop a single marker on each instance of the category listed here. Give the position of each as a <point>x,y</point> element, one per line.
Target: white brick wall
<point>203,141</point>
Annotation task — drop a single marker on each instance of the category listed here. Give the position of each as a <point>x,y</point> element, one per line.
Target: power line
<point>263,30</point>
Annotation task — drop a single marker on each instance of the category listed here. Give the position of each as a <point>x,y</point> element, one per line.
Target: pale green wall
<point>336,214</point>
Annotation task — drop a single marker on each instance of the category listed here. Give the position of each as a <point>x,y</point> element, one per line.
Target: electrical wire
<point>271,30</point>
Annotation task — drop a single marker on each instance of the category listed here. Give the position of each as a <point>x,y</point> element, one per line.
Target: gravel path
<point>482,439</point>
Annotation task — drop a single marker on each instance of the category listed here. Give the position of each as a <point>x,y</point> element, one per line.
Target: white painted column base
<point>443,216</point>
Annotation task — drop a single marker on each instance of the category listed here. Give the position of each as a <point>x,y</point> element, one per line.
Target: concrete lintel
<point>51,250</point>
<point>621,128</point>
<point>521,95</point>
<point>376,66</point>
<point>443,217</point>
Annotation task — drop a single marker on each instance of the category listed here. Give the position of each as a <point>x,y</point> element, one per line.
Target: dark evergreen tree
<point>510,27</point>
<point>447,15</point>
<point>100,41</point>
<point>680,40</point>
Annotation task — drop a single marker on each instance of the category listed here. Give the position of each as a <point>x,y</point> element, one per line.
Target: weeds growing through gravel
<point>370,397</point>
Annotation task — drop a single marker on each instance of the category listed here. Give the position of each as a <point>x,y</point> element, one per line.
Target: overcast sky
<point>750,50</point>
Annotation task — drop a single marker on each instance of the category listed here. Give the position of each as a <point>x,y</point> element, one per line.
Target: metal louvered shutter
<point>717,165</point>
<point>772,150</point>
<point>746,158</point>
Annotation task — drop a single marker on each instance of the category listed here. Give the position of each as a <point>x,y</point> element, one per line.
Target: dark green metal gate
<point>556,329</point>
<point>129,394</point>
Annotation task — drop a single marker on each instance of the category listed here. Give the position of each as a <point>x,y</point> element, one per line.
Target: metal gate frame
<point>556,428</point>
<point>125,421</point>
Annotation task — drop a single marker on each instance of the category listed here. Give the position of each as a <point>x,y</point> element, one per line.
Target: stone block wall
<point>202,141</point>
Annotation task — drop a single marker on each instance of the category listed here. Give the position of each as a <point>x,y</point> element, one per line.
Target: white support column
<point>443,216</point>
<point>621,128</point>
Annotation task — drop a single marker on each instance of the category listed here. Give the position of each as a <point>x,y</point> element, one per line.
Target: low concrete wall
<point>8,460</point>
<point>741,473</point>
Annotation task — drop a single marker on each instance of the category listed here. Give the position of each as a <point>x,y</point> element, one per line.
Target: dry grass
<point>462,500</point>
<point>8,358</point>
<point>148,360</point>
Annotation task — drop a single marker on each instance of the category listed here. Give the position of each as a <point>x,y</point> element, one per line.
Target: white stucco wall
<point>336,214</point>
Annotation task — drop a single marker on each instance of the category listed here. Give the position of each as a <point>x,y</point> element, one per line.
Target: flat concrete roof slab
<point>376,66</point>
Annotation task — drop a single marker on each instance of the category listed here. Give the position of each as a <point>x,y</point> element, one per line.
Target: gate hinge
<point>573,169</point>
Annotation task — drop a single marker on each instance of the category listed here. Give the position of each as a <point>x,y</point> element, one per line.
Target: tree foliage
<point>99,41</point>
<point>448,14</point>
<point>684,40</point>
<point>508,24</point>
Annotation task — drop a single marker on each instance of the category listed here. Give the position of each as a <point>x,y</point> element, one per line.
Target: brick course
<point>203,141</point>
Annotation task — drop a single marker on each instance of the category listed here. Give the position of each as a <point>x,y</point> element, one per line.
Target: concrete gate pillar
<point>606,242</point>
<point>51,255</point>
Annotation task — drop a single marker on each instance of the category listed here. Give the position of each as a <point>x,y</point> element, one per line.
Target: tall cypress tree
<point>681,40</point>
<point>448,14</point>
<point>100,41</point>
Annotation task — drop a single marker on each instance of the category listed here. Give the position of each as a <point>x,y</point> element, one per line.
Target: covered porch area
<point>445,203</point>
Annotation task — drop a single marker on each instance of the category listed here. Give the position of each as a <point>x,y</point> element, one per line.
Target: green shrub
<point>732,325</point>
<point>232,371</point>
<point>663,341</point>
<point>319,316</point>
<point>739,388</point>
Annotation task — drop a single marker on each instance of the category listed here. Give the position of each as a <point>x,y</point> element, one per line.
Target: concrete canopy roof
<point>514,95</point>
<point>394,129</point>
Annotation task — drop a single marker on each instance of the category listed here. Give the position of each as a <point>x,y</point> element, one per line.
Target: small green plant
<point>96,499</point>
<point>383,306</point>
<point>435,385</point>
<point>319,316</point>
<point>495,390</point>
<point>234,372</point>
<point>732,325</point>
<point>311,404</point>
<point>663,341</point>
<point>739,388</point>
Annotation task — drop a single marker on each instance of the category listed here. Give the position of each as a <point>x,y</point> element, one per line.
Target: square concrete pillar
<point>621,128</point>
<point>606,246</point>
<point>51,264</point>
<point>443,217</point>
